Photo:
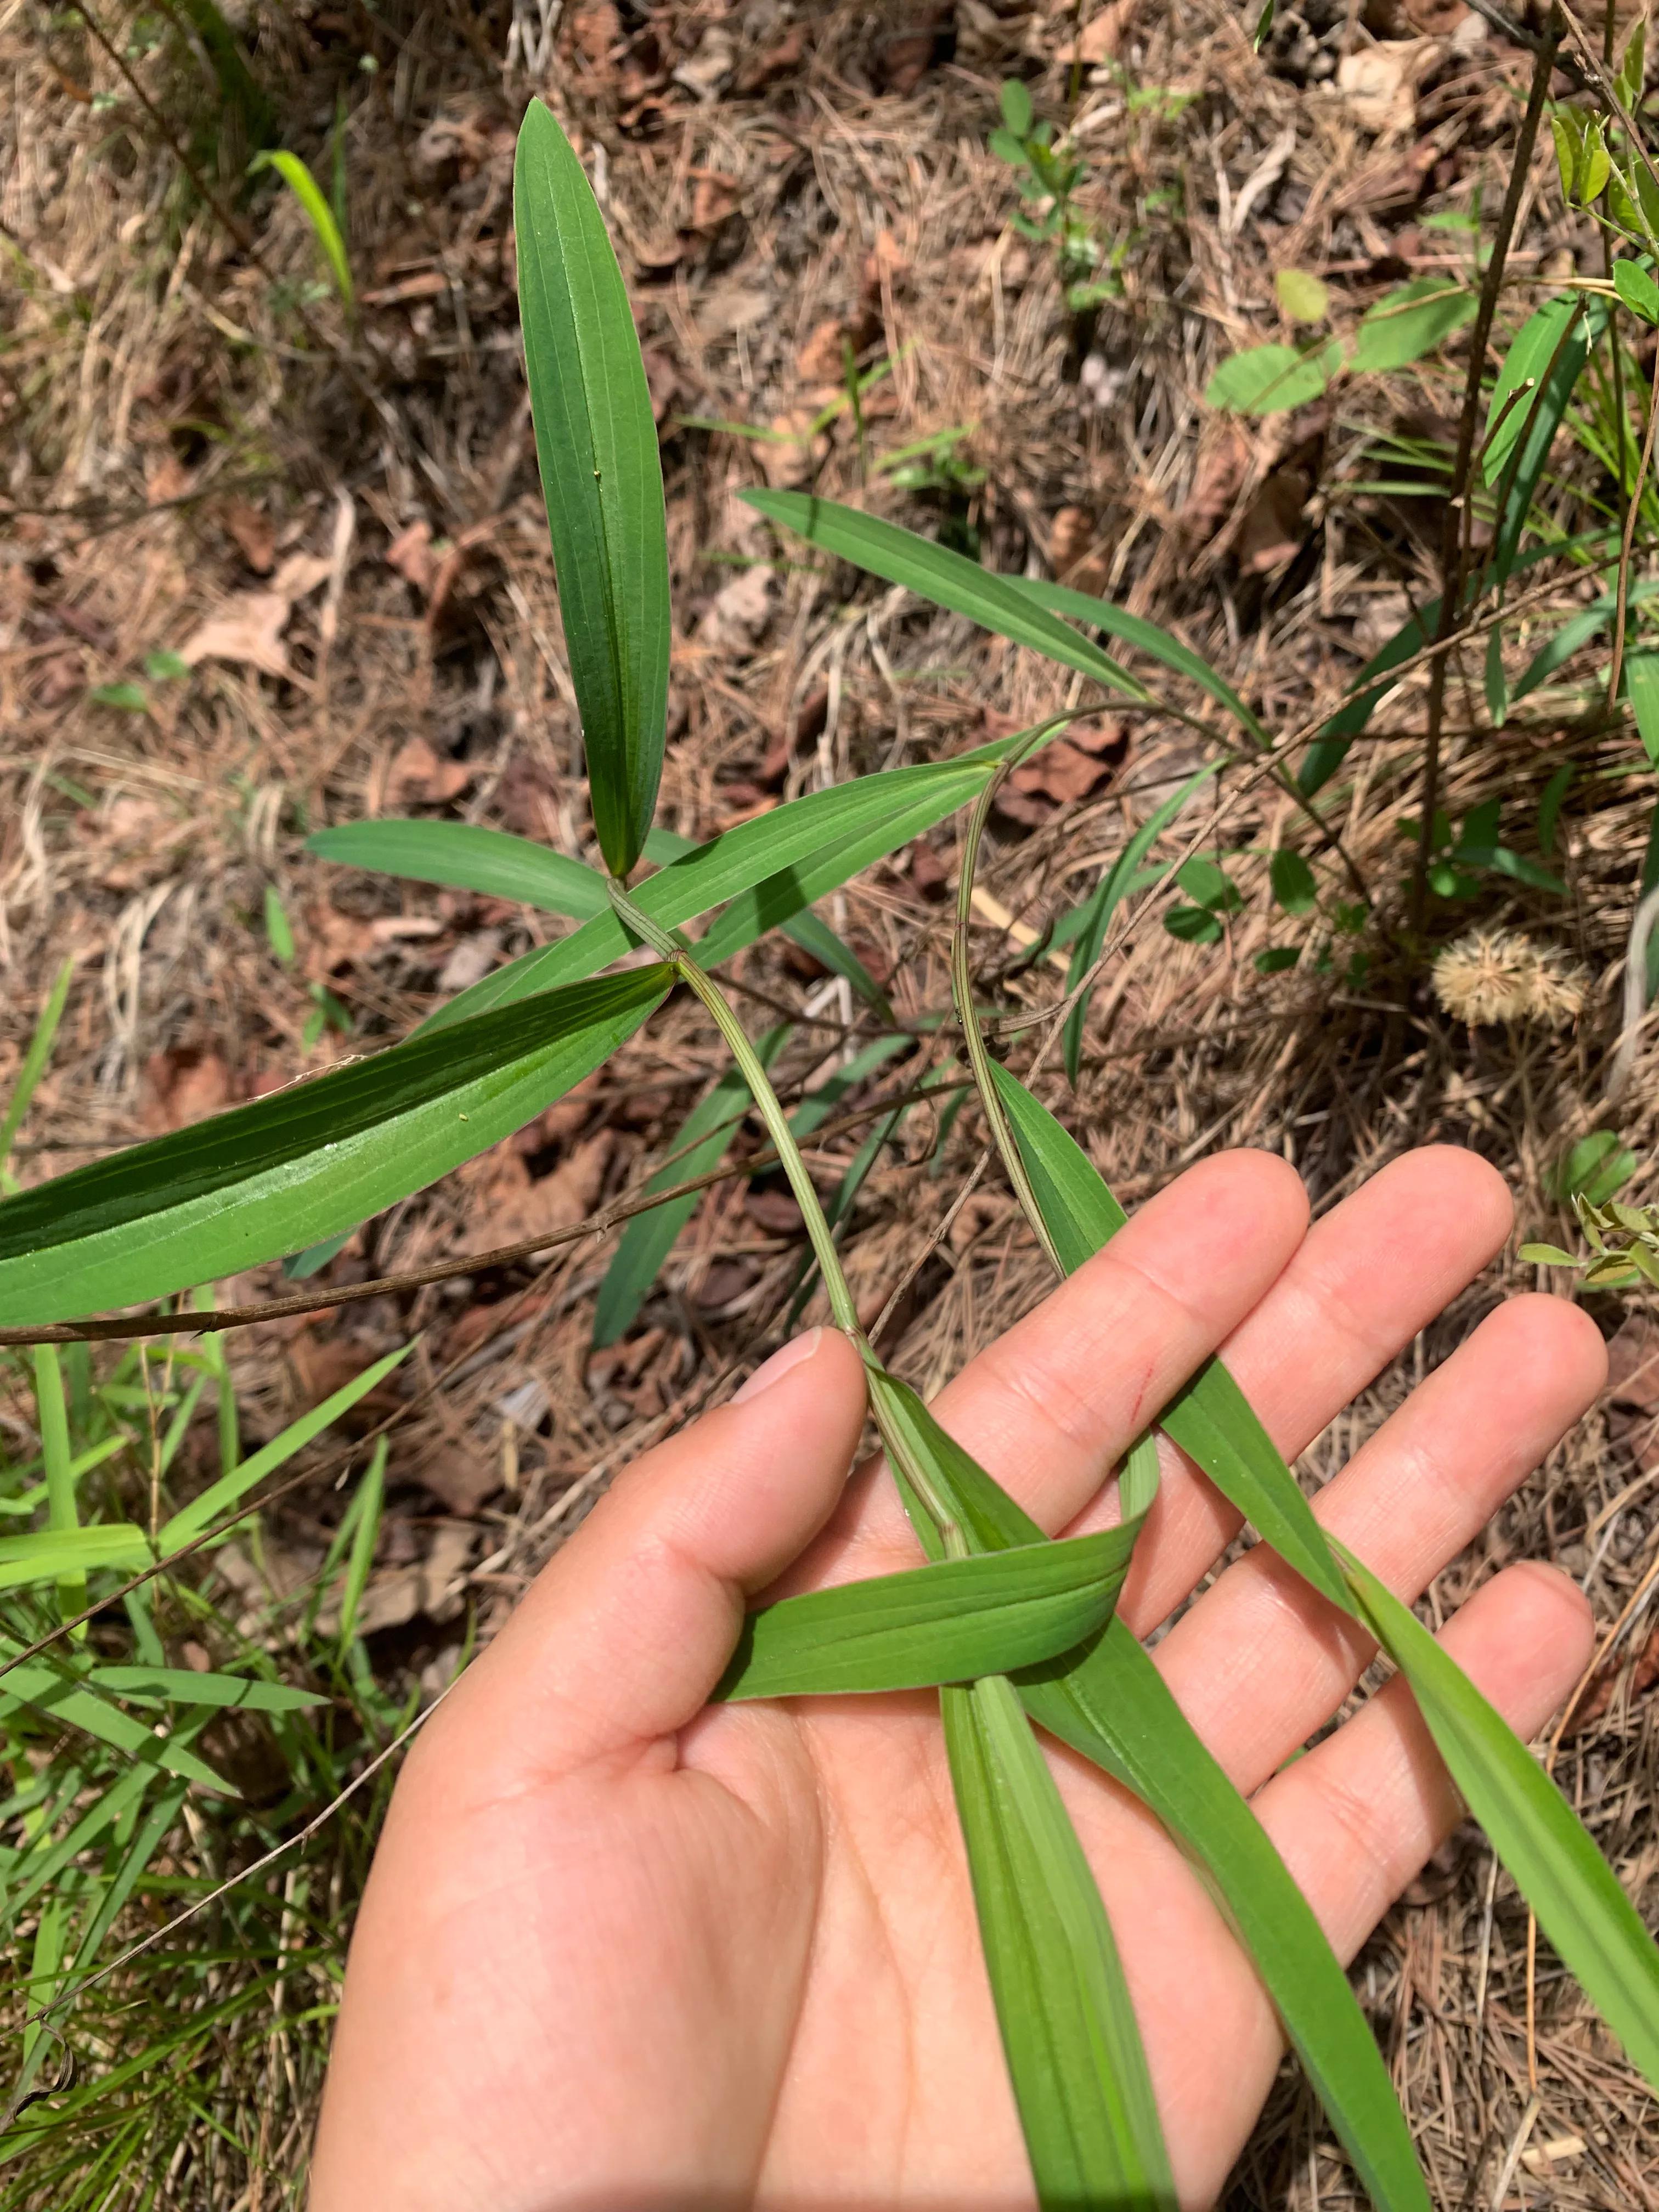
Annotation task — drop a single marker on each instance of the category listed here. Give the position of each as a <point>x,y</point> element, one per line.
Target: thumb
<point>620,1640</point>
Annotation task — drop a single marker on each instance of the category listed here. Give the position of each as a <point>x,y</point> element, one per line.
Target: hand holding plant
<point>620,1948</point>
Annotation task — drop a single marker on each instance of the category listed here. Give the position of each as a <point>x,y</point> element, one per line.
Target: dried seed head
<point>1502,975</point>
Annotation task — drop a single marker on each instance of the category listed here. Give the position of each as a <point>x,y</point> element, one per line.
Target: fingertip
<point>1554,1338</point>
<point>1555,1609</point>
<point>1467,1188</point>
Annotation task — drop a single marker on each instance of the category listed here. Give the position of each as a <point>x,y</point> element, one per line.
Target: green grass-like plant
<point>1017,1632</point>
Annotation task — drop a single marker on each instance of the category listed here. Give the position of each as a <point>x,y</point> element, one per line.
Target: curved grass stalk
<point>1073,2043</point>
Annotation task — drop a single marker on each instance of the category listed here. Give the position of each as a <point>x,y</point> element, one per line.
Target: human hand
<point>621,1950</point>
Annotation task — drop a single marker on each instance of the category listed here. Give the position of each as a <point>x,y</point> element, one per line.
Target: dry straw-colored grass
<point>776,177</point>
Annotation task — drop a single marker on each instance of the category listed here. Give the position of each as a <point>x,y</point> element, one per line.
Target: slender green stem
<point>818,1231</point>
<point>765,1100</point>
<point>1454,534</point>
<point>962,989</point>
<point>61,1512</point>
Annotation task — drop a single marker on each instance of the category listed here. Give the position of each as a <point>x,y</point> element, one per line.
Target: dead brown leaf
<point>714,199</point>
<point>1271,531</point>
<point>182,1086</point>
<point>1377,84</point>
<point>1633,1365</point>
<point>506,1204</point>
<point>411,555</point>
<point>248,628</point>
<point>254,532</point>
<point>417,777</point>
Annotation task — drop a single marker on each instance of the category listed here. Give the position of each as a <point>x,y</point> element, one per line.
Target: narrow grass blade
<point>182,1685</point>
<point>1156,644</point>
<point>1109,894</point>
<point>320,214</point>
<point>949,580</point>
<point>68,1555</point>
<point>1110,1703</point>
<point>305,1163</point>
<point>1210,1418</point>
<point>62,1517</point>
<point>35,1059</point>
<point>647,1240</point>
<point>219,1498</point>
<point>946,1622</point>
<point>1560,1873</point>
<point>365,1533</point>
<point>34,1683</point>
<point>596,440</point>
<point>1068,2029</point>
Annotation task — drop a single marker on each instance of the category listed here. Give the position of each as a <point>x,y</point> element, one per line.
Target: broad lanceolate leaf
<point>1266,380</point>
<point>774,863</point>
<point>1560,1873</point>
<point>1210,1418</point>
<point>811,934</point>
<point>1069,2031</point>
<point>1410,322</point>
<point>596,440</point>
<point>1073,2047</point>
<point>946,1622</point>
<point>1107,894</point>
<point>1109,1702</point>
<point>470,858</point>
<point>1156,644</point>
<point>305,1163</point>
<point>648,1239</point>
<point>949,580</point>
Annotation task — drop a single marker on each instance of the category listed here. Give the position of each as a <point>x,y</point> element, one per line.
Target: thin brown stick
<point>1453,559</point>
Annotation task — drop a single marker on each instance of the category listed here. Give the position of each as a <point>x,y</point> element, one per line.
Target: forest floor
<point>267,569</point>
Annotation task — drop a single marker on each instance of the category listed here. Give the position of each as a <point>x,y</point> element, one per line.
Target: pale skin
<point>619,1950</point>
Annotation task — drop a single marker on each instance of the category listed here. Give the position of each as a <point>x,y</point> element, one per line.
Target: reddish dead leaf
<point>1633,1365</point>
<point>790,461</point>
<point>714,199</point>
<point>662,381</point>
<point>1217,482</point>
<point>774,1210</point>
<point>418,777</point>
<point>254,532</point>
<point>182,1086</point>
<point>506,1204</point>
<point>1600,1695</point>
<point>527,798</point>
<point>480,1323</point>
<point>903,60</point>
<point>595,33</point>
<point>775,62</point>
<point>1104,34</point>
<point>1271,531</point>
<point>928,873</point>
<point>1078,557</point>
<point>884,265</point>
<point>411,555</point>
<point>823,359</point>
<point>725,1280</point>
<point>1066,770</point>
<point>166,477</point>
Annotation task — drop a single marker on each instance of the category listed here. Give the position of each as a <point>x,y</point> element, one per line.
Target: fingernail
<point>775,1369</point>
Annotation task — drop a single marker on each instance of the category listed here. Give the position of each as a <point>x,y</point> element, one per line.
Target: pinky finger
<point>1356,1818</point>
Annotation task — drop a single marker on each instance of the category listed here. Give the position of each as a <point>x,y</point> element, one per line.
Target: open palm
<point>619,1950</point>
